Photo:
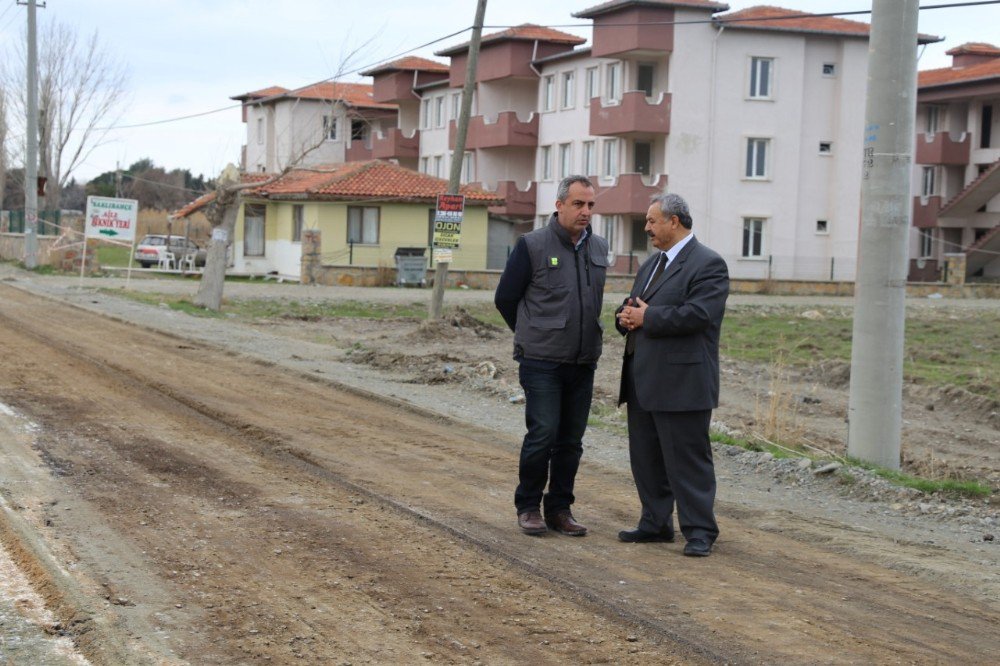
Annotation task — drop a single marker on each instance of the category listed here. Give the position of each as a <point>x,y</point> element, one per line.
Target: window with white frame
<point>761,77</point>
<point>565,159</point>
<point>260,130</point>
<point>613,82</point>
<point>548,92</point>
<point>362,224</point>
<point>425,165</point>
<point>545,168</point>
<point>609,168</point>
<point>826,147</point>
<point>610,227</point>
<point>254,220</point>
<point>425,113</point>
<point>829,69</point>
<point>928,181</point>
<point>591,83</point>
<point>330,128</point>
<point>439,111</point>
<point>822,227</point>
<point>438,166</point>
<point>298,219</point>
<point>456,105</point>
<point>589,161</point>
<point>926,250</point>
<point>468,168</point>
<point>933,118</point>
<point>568,89</point>
<point>756,166</point>
<point>753,237</point>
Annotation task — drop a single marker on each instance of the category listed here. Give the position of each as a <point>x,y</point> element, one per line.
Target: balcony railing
<point>925,211</point>
<point>941,148</point>
<point>633,115</point>
<point>358,151</point>
<point>506,131</point>
<point>517,202</point>
<point>630,195</point>
<point>394,145</point>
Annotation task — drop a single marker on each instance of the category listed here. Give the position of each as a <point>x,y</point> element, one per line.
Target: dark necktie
<point>657,272</point>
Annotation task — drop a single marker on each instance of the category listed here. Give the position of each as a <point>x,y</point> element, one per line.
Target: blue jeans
<point>556,407</point>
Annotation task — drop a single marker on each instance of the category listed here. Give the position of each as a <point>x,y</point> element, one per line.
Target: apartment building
<point>956,202</point>
<point>757,122</point>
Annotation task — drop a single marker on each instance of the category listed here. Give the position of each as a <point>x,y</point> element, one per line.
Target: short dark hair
<point>674,204</point>
<point>564,186</point>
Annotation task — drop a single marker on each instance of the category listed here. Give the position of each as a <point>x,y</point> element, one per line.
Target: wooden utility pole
<point>458,154</point>
<point>875,409</point>
<point>31,147</point>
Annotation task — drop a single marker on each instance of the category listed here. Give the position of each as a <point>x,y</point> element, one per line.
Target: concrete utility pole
<point>875,406</point>
<point>31,149</point>
<point>458,155</point>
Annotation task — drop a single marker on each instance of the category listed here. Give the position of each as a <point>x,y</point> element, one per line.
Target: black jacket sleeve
<point>513,283</point>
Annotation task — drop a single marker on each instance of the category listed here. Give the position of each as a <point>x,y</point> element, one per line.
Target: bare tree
<point>80,93</point>
<point>3,144</point>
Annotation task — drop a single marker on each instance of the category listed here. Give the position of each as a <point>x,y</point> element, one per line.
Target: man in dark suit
<point>670,378</point>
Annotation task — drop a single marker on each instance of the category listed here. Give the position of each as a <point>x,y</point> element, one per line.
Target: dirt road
<point>251,514</point>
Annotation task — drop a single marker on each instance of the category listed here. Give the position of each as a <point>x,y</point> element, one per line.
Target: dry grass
<point>776,418</point>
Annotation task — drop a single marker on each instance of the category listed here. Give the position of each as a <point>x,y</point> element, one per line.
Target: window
<point>568,90</point>
<point>610,225</point>
<point>928,184</point>
<point>456,105</point>
<point>825,147</point>
<point>468,170</point>
<point>829,69</point>
<point>613,83</point>
<point>822,227</point>
<point>760,77</point>
<point>362,224</point>
<point>757,158</point>
<point>254,217</point>
<point>642,159</point>
<point>298,216</point>
<point>926,244</point>
<point>330,128</point>
<point>933,118</point>
<point>260,130</point>
<point>753,237</point>
<point>589,159</point>
<point>439,111</point>
<point>425,113</point>
<point>645,76</point>
<point>546,165</point>
<point>425,165</point>
<point>986,126</point>
<point>565,159</point>
<point>591,82</point>
<point>438,163</point>
<point>361,131</point>
<point>548,92</point>
<point>610,166</point>
<point>640,239</point>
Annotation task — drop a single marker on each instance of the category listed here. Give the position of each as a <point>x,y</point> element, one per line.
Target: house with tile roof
<point>363,211</point>
<point>956,198</point>
<point>754,116</point>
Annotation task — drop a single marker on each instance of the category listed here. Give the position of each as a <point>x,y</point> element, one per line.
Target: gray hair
<point>563,192</point>
<point>674,204</point>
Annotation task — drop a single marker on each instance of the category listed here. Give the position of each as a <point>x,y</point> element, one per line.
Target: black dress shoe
<point>698,548</point>
<point>642,536</point>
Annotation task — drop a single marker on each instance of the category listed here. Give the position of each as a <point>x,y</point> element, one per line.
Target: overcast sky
<point>186,56</point>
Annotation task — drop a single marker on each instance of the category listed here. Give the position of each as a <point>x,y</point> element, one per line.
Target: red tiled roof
<point>352,94</point>
<point>974,48</point>
<point>615,5</point>
<point>772,18</point>
<point>353,181</point>
<point>209,197</point>
<point>409,63</point>
<point>930,78</point>
<point>525,32</point>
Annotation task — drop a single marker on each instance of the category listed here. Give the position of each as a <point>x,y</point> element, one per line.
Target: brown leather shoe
<point>531,522</point>
<point>564,523</point>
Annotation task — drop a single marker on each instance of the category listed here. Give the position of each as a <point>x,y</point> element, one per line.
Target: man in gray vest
<point>550,294</point>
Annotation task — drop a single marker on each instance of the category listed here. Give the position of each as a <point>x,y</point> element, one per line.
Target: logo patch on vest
<point>553,262</point>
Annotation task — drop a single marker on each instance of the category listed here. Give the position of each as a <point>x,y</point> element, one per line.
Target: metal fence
<point>49,222</point>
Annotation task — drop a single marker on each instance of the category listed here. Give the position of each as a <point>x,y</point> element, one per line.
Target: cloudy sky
<point>189,57</point>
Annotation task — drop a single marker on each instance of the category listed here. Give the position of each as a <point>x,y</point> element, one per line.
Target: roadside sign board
<point>111,219</point>
<point>448,220</point>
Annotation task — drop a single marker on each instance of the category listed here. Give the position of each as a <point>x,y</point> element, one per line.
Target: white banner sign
<point>113,219</point>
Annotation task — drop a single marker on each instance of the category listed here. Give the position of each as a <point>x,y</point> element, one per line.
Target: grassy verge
<point>113,255</point>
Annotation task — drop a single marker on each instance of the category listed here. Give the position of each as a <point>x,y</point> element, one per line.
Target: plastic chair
<point>188,262</point>
<point>167,260</point>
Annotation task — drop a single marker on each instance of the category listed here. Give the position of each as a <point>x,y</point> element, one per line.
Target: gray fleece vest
<point>558,319</point>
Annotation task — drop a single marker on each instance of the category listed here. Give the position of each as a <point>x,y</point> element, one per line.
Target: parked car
<point>151,248</point>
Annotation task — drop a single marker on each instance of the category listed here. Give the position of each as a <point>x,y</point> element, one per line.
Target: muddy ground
<point>183,490</point>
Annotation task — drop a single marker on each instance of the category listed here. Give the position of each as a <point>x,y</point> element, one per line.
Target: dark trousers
<point>556,407</point>
<point>671,458</point>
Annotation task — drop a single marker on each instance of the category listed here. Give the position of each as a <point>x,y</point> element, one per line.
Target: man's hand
<point>632,314</point>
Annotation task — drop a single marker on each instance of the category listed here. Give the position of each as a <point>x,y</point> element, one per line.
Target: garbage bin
<point>411,266</point>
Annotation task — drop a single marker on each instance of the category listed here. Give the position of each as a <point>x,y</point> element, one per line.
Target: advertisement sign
<point>112,219</point>
<point>448,220</point>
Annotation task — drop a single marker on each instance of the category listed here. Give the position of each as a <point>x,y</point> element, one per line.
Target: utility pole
<point>875,405</point>
<point>458,154</point>
<point>31,149</point>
